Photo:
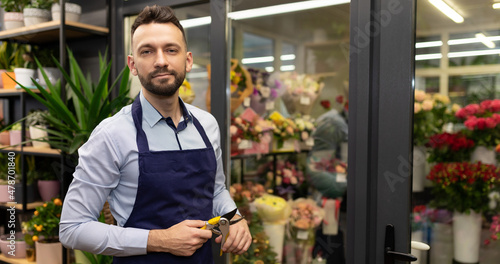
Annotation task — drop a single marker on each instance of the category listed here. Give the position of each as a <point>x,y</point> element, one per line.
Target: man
<point>157,162</point>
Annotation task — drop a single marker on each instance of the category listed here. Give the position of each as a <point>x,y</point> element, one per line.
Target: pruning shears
<point>220,226</point>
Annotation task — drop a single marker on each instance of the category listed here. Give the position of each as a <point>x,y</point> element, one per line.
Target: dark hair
<point>157,14</point>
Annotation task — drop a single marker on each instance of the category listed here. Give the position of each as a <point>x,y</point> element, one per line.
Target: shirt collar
<point>153,116</point>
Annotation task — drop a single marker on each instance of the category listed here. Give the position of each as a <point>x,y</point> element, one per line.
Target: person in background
<point>157,162</point>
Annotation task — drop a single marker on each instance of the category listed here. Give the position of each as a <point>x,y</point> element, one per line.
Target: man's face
<point>160,58</point>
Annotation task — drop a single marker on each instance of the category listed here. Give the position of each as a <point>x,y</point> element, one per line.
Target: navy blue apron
<point>174,185</point>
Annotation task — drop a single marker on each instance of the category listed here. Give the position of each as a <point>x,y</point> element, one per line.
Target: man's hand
<point>239,238</point>
<point>182,239</point>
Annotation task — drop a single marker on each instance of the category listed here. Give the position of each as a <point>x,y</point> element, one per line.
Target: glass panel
<point>198,43</point>
<point>289,130</point>
<point>463,69</point>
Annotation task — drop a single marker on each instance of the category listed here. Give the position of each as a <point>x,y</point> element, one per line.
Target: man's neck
<point>167,106</point>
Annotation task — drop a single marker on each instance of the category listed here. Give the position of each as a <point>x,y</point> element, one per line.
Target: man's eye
<point>172,50</point>
<point>145,52</point>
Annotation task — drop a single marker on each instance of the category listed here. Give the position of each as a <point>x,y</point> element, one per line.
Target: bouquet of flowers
<point>463,186</point>
<point>446,147</point>
<point>241,84</point>
<point>420,217</point>
<point>431,114</point>
<point>283,128</point>
<point>328,174</point>
<point>304,128</point>
<point>260,251</point>
<point>494,230</point>
<point>266,88</point>
<point>186,93</point>
<point>482,122</point>
<point>289,177</point>
<point>300,92</point>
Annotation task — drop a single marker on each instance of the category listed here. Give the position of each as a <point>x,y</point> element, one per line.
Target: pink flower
<point>490,122</point>
<point>495,105</point>
<point>427,105</point>
<point>471,123</point>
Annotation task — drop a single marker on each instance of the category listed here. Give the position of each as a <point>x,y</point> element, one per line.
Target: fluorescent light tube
<point>433,56</point>
<point>265,11</point>
<point>486,41</point>
<point>447,10</point>
<point>428,44</point>
<point>496,5</point>
<point>257,60</point>
<point>473,53</point>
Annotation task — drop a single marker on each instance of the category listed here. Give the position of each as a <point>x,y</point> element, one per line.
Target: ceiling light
<point>282,68</point>
<point>473,53</point>
<point>496,5</point>
<point>486,41</point>
<point>434,56</point>
<point>447,10</point>
<point>264,59</point>
<point>428,44</point>
<point>265,11</point>
<point>284,8</point>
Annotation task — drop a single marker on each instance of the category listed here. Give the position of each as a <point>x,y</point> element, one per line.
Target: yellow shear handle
<point>212,221</point>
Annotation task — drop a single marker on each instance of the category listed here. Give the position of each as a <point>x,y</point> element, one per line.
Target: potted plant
<point>48,182</point>
<point>4,135</point>
<point>10,57</point>
<point>13,16</point>
<point>38,11</point>
<point>465,188</point>
<point>43,230</point>
<point>37,124</point>
<point>72,119</point>
<point>26,72</point>
<point>72,11</point>
<point>44,55</point>
<point>15,134</point>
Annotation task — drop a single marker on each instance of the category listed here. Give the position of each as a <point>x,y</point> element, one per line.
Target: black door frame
<point>380,126</point>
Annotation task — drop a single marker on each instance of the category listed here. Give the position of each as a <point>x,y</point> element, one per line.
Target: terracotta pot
<point>48,253</point>
<point>13,20</point>
<point>5,138</point>
<point>7,82</point>
<point>48,189</point>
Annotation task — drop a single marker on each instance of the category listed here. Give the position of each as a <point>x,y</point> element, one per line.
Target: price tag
<point>302,235</point>
<point>341,177</point>
<point>305,100</point>
<point>310,142</point>
<point>245,144</point>
<point>270,105</point>
<point>246,102</point>
<point>265,92</point>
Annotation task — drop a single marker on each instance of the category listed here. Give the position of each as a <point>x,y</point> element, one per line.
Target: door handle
<point>390,256</point>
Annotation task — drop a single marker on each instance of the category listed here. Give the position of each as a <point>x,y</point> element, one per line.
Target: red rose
<point>325,104</point>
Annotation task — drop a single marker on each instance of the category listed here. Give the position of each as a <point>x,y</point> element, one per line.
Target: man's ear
<point>189,61</point>
<point>131,65</point>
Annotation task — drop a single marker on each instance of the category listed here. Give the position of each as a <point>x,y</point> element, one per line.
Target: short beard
<point>163,89</point>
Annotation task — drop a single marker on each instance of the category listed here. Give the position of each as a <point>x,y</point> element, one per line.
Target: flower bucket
<point>48,253</point>
<point>419,237</point>
<point>48,189</point>
<point>485,155</point>
<point>37,132</point>
<point>419,168</point>
<point>466,237</point>
<point>276,234</point>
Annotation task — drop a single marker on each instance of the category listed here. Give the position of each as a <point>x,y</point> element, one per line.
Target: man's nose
<point>161,59</point>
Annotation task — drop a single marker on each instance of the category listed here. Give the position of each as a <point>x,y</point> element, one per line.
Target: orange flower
<point>45,205</point>
<point>39,228</point>
<point>35,238</point>
<point>57,202</point>
<point>497,148</point>
<point>36,213</point>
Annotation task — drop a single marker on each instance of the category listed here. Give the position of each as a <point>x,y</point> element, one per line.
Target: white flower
<point>494,197</point>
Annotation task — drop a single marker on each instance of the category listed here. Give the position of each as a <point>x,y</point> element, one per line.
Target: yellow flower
<point>419,95</point>
<point>441,98</point>
<point>35,238</point>
<point>36,213</point>
<point>427,105</point>
<point>455,108</point>
<point>39,228</point>
<point>417,108</point>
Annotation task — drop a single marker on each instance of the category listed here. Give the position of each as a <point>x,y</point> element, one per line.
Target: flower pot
<point>8,82</point>
<point>34,16</point>
<point>15,137</point>
<point>4,193</point>
<point>24,77</point>
<point>48,189</point>
<point>13,247</point>
<point>48,253</point>
<point>31,193</point>
<point>484,154</point>
<point>13,20</point>
<point>5,138</point>
<point>37,132</point>
<point>276,234</point>
<point>419,168</point>
<point>466,237</point>
<point>52,73</point>
<point>72,12</point>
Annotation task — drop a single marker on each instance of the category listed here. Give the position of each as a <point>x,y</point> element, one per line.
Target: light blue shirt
<point>108,170</point>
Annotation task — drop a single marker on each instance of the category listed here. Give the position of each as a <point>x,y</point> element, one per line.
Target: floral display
<point>44,225</point>
<point>494,230</point>
<point>420,217</point>
<point>272,209</point>
<point>186,93</point>
<point>283,128</point>
<point>301,91</point>
<point>240,84</point>
<point>463,186</point>
<point>260,250</point>
<point>289,177</point>
<point>447,147</point>
<point>306,214</point>
<point>481,121</point>
<point>327,174</point>
<point>266,89</point>
<point>304,127</point>
<point>431,114</point>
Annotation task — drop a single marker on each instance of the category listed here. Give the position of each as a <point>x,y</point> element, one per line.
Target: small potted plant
<point>38,11</point>
<point>37,122</point>
<point>26,72</point>
<point>15,134</point>
<point>43,230</point>
<point>46,58</point>
<point>10,58</point>
<point>72,11</point>
<point>13,16</point>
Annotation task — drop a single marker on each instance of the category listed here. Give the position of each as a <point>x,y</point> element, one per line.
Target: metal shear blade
<point>220,226</point>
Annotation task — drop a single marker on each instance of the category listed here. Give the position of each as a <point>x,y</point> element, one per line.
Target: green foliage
<point>45,221</point>
<point>71,121</point>
<point>14,5</point>
<point>42,4</point>
<point>11,55</point>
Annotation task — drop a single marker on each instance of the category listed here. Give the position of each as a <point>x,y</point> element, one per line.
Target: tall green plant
<point>71,121</point>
